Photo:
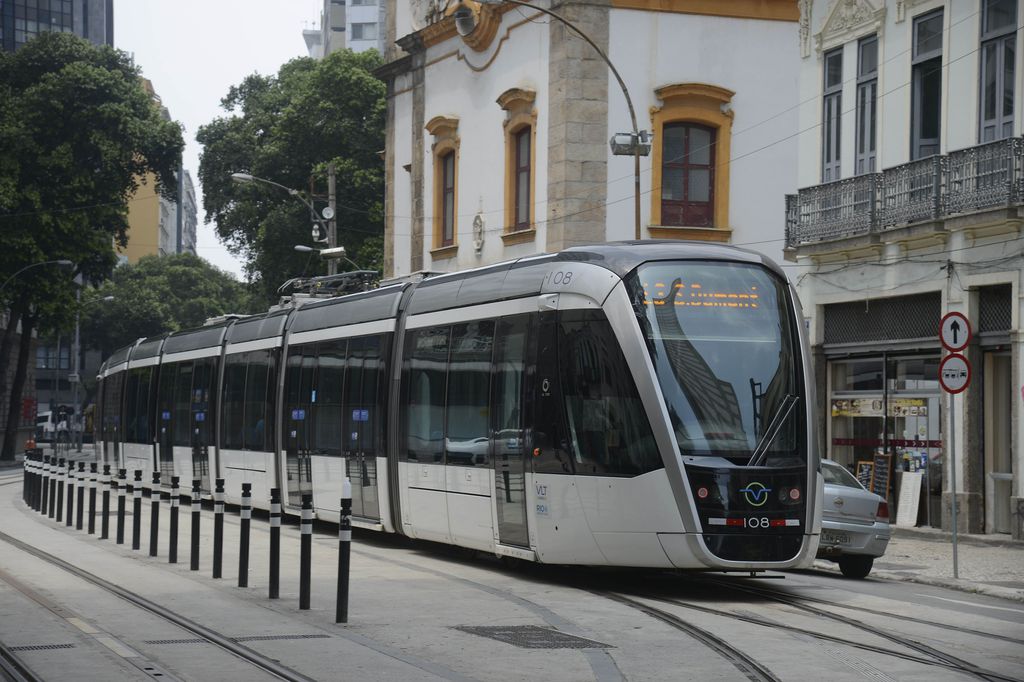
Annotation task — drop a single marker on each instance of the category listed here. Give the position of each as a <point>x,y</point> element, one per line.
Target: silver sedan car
<point>854,522</point>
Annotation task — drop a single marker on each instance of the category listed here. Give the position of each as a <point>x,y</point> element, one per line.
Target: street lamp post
<point>636,144</point>
<point>78,419</point>
<point>61,262</point>
<point>330,235</point>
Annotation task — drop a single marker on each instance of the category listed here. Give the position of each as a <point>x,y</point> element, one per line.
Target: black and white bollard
<point>107,481</point>
<point>26,485</point>
<point>71,494</point>
<point>154,513</point>
<point>305,550</point>
<point>218,528</point>
<point>275,543</point>
<point>172,543</point>
<point>62,478</point>
<point>121,485</point>
<point>80,502</point>
<point>245,516</point>
<point>55,472</point>
<point>197,510</point>
<point>344,551</point>
<point>45,489</point>
<point>92,498</point>
<point>137,510</point>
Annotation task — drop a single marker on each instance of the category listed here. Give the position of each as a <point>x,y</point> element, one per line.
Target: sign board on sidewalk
<point>954,332</point>
<point>954,373</point>
<point>865,473</point>
<point>880,479</point>
<point>909,499</point>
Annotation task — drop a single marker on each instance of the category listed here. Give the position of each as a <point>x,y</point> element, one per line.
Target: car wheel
<point>856,566</point>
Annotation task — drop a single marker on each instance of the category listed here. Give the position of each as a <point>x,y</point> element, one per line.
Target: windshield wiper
<point>773,430</point>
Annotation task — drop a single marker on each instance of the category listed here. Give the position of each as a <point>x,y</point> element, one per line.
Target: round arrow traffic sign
<point>954,373</point>
<point>954,332</point>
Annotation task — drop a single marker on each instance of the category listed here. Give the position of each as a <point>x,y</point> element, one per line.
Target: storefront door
<point>998,455</point>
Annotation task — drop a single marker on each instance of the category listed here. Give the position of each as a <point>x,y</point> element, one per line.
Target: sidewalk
<point>988,564</point>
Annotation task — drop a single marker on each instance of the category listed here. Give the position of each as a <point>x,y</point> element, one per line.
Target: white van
<point>46,426</point>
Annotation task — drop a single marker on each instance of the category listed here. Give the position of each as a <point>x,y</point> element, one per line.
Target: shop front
<point>885,420</point>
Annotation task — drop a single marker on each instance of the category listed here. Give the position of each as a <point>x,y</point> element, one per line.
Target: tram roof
<point>623,257</point>
<point>194,339</point>
<point>149,347</point>
<point>368,306</point>
<point>258,327</point>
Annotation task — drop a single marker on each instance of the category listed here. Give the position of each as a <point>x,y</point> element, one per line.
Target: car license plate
<point>835,537</point>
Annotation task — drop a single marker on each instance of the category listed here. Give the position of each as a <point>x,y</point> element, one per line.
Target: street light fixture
<point>64,263</point>
<point>635,144</point>
<point>320,228</point>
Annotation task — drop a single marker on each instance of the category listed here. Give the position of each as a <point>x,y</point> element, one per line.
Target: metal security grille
<point>995,314</point>
<point>532,637</point>
<point>883,319</point>
<point>41,647</point>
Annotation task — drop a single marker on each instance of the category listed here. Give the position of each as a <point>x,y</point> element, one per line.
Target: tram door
<point>295,420</point>
<point>507,428</point>
<point>361,418</point>
<point>201,419</point>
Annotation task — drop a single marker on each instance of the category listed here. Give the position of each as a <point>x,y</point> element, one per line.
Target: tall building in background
<point>156,225</point>
<point>355,24</point>
<point>22,20</point>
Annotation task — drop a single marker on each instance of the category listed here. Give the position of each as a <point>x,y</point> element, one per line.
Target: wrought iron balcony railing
<point>975,179</point>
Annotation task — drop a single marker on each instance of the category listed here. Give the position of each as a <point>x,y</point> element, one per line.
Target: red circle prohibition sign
<point>966,375</point>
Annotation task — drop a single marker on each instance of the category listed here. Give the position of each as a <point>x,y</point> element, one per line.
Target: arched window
<point>446,186</point>
<point>690,162</point>
<point>687,175</point>
<point>520,165</point>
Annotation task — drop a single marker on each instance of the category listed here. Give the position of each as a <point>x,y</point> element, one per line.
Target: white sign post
<point>954,377</point>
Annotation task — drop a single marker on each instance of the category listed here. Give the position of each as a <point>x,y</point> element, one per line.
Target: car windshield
<point>720,338</point>
<point>837,475</point>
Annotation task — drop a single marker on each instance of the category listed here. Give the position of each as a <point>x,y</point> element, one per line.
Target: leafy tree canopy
<point>78,133</point>
<point>157,295</point>
<point>287,128</point>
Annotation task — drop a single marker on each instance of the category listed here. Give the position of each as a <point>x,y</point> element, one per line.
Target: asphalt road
<point>73,606</point>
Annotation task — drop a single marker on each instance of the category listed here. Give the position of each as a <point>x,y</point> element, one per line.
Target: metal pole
<point>332,224</point>
<point>218,527</point>
<point>92,498</point>
<point>275,542</point>
<point>344,552</point>
<point>62,478</point>
<point>122,475</point>
<point>80,502</point>
<point>76,349</point>
<point>305,550</point>
<point>197,510</point>
<point>245,516</point>
<point>154,513</point>
<point>45,490</point>
<point>136,490</point>
<point>108,482</point>
<point>172,546</point>
<point>952,469</point>
<point>71,494</point>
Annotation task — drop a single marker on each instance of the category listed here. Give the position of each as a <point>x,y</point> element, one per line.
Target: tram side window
<point>258,420</point>
<point>327,403</point>
<point>469,374</point>
<point>360,409</point>
<point>182,405</point>
<point>137,405</point>
<point>300,395</point>
<point>234,401</point>
<point>425,373</point>
<point>112,386</point>
<point>168,374</point>
<point>608,427</point>
<point>203,398</point>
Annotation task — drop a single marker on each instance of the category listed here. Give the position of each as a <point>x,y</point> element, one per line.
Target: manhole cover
<point>532,637</point>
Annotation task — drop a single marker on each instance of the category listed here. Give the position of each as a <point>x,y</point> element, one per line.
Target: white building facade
<point>358,25</point>
<point>498,129</point>
<point>911,169</point>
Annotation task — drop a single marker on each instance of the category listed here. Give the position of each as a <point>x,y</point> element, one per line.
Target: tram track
<point>13,668</point>
<point>800,601</point>
<point>931,656</point>
<point>257,660</point>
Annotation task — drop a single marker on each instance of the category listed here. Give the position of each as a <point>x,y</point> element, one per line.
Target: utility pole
<point>76,350</point>
<point>332,224</point>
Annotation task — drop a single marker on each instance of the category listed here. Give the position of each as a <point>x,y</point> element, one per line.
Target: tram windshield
<point>722,342</point>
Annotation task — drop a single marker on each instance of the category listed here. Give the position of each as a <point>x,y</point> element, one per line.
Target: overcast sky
<point>194,50</point>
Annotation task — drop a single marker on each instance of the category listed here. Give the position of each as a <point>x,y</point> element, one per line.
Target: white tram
<point>633,404</point>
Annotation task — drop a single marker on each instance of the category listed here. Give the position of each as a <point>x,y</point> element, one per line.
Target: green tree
<point>287,128</point>
<point>160,294</point>
<point>78,133</point>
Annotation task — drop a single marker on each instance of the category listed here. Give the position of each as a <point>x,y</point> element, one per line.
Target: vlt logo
<point>756,493</point>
